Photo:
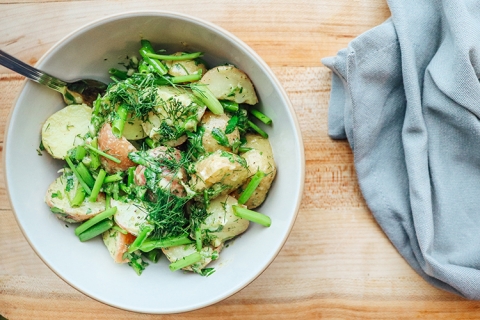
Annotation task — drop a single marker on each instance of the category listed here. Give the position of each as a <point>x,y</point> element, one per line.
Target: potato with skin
<point>229,83</point>
<point>58,198</point>
<point>221,172</point>
<point>221,223</point>
<point>177,107</point>
<point>130,215</point>
<point>260,157</point>
<point>62,128</point>
<point>172,181</point>
<point>212,121</point>
<point>117,244</point>
<point>119,148</point>
<point>184,67</point>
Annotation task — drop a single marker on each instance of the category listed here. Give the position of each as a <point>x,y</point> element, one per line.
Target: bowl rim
<point>173,14</point>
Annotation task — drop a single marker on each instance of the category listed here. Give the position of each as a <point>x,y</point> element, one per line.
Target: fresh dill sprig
<point>241,121</point>
<point>165,160</point>
<point>166,215</point>
<point>169,132</point>
<point>198,214</point>
<point>138,93</point>
<point>195,143</point>
<point>176,118</point>
<point>176,112</point>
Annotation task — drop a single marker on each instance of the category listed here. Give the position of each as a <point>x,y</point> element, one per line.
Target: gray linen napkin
<point>406,95</point>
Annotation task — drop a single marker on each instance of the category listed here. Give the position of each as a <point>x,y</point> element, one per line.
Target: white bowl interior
<point>90,52</point>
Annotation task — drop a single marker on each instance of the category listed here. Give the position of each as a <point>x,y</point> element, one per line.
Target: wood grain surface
<point>336,264</point>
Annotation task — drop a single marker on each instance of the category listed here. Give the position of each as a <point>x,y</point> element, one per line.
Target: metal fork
<point>81,91</point>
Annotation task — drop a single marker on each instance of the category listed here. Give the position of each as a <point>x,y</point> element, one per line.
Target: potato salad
<point>170,161</point>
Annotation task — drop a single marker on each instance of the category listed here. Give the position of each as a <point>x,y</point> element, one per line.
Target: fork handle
<point>30,72</point>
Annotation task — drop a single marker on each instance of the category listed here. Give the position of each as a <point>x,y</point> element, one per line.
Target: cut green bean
<point>150,142</point>
<point>143,67</point>
<point>149,245</point>
<point>125,188</point>
<point>103,154</point>
<point>185,56</point>
<point>230,106</point>
<point>85,174</point>
<point>80,153</point>
<point>115,190</point>
<point>121,75</point>
<point>163,81</point>
<point>185,261</point>
<point>79,196</point>
<point>203,93</point>
<point>244,149</point>
<point>260,116</point>
<point>136,262</point>
<point>95,230</point>
<point>154,255</point>
<point>251,187</point>
<point>95,159</point>
<point>107,200</point>
<point>187,78</point>
<point>114,177</point>
<point>98,184</point>
<point>257,129</point>
<point>198,239</point>
<point>97,105</point>
<point>77,175</point>
<point>99,217</point>
<point>251,215</point>
<point>142,235</point>
<point>119,122</point>
<point>122,231</point>
<point>166,80</point>
<point>131,176</point>
<point>154,63</point>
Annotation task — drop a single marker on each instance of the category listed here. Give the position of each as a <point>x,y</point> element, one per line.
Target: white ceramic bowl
<point>89,52</point>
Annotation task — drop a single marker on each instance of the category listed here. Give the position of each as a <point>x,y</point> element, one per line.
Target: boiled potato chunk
<point>130,215</point>
<point>184,67</point>
<point>133,129</point>
<point>211,122</point>
<point>118,148</point>
<point>117,244</point>
<point>208,253</point>
<point>221,223</point>
<point>61,129</point>
<point>260,157</point>
<point>62,191</point>
<point>221,172</point>
<point>229,83</point>
<point>176,109</point>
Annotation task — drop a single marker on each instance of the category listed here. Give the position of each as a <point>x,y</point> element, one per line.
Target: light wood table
<point>337,263</point>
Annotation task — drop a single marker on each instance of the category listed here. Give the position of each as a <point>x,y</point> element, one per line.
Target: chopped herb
<point>166,215</point>
<point>231,124</point>
<point>220,137</point>
<point>57,194</point>
<point>207,272</point>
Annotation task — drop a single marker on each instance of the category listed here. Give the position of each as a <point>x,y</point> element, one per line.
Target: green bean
<point>95,230</point>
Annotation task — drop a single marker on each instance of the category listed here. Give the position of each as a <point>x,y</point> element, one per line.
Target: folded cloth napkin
<point>406,95</point>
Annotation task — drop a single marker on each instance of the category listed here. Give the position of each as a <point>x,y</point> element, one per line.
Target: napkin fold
<point>406,95</point>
